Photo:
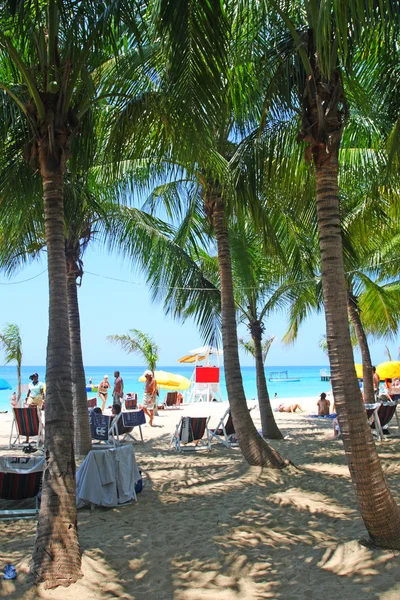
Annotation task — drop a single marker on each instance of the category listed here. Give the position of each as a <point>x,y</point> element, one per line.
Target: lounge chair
<point>191,430</point>
<point>27,422</point>
<point>171,400</point>
<point>102,429</point>
<point>20,478</point>
<point>225,431</point>
<point>125,423</point>
<point>130,403</point>
<point>379,416</point>
<point>92,402</point>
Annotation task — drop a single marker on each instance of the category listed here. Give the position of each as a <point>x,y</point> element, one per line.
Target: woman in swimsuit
<point>103,391</point>
<point>149,396</point>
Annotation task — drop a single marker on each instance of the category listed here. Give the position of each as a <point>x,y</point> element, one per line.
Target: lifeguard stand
<point>205,378</point>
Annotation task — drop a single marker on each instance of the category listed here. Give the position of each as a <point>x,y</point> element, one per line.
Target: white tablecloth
<point>107,477</point>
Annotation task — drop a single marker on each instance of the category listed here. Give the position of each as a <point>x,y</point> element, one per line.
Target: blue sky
<point>113,307</point>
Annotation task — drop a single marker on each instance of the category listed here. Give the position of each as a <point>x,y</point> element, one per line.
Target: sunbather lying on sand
<point>289,409</point>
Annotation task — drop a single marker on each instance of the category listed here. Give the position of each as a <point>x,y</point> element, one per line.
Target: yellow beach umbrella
<point>170,381</point>
<point>389,369</point>
<point>359,370</point>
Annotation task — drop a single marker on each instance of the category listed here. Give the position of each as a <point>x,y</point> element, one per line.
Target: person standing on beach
<point>376,380</point>
<point>118,391</point>
<point>35,395</point>
<point>103,391</point>
<point>35,391</point>
<point>149,396</point>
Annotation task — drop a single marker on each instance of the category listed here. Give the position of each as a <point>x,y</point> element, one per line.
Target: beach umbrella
<point>4,385</point>
<point>169,381</point>
<point>389,369</point>
<point>359,370</point>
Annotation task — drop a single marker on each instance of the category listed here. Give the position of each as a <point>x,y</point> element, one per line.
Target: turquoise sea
<point>310,383</point>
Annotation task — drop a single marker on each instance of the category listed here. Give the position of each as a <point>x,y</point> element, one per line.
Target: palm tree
<point>11,342</point>
<point>324,42</point>
<point>140,343</point>
<point>259,349</point>
<point>53,56</point>
<point>196,140</point>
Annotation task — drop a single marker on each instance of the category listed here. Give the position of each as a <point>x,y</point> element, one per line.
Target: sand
<point>209,527</point>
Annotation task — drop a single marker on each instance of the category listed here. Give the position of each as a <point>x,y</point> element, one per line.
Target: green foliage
<point>139,343</point>
<point>248,346</point>
<point>11,342</point>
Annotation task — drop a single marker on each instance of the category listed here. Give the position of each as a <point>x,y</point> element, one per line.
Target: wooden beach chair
<point>379,416</point>
<point>92,402</point>
<point>171,401</point>
<point>225,431</point>
<point>20,479</point>
<point>189,434</point>
<point>26,422</point>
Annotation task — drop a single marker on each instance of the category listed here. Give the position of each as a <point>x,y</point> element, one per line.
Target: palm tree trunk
<point>378,509</point>
<point>255,450</point>
<point>368,383</point>
<point>82,436</point>
<point>270,429</point>
<point>56,557</point>
<point>18,384</point>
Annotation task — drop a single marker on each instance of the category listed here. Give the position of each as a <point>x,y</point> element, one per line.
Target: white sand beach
<point>209,527</point>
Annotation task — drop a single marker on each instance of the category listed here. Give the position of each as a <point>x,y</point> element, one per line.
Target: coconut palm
<point>52,59</point>
<point>140,343</point>
<point>11,342</point>
<point>312,42</point>
<point>196,140</point>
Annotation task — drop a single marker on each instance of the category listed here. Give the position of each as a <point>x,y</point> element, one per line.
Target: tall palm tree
<point>11,342</point>
<point>315,40</point>
<point>52,59</point>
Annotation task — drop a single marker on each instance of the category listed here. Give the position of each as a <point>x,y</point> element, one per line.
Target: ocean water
<point>309,383</point>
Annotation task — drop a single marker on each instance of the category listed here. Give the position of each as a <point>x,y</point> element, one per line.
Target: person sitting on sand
<point>323,405</point>
<point>336,428</point>
<point>149,396</point>
<point>289,409</point>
